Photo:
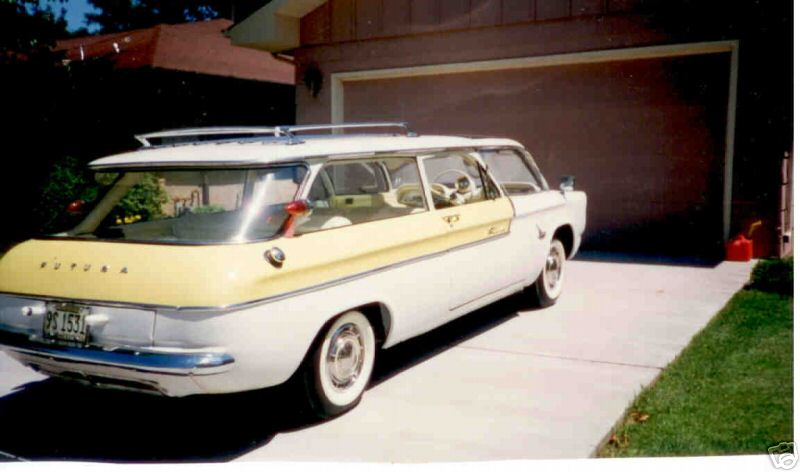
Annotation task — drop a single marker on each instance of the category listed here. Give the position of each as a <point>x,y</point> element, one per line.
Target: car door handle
<point>451,218</point>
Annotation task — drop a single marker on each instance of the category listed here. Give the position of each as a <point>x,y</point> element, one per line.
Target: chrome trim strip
<point>260,162</point>
<point>343,280</point>
<point>275,132</point>
<point>354,125</point>
<point>182,165</point>
<point>259,301</point>
<point>87,301</point>
<point>155,243</point>
<point>168,363</point>
<point>144,139</point>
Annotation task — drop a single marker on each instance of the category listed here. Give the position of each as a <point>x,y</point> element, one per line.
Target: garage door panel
<point>644,138</point>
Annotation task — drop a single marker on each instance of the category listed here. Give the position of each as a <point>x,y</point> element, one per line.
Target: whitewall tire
<point>550,283</point>
<point>339,369</point>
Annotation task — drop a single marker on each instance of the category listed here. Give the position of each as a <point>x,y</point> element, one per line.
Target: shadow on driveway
<point>707,262</point>
<point>54,420</point>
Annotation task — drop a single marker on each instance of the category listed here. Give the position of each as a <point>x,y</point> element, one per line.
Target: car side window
<point>348,193</point>
<point>457,179</point>
<point>513,172</point>
<point>356,178</point>
<point>319,192</point>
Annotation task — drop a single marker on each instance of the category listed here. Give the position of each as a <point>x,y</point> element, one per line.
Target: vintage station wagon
<point>219,260</point>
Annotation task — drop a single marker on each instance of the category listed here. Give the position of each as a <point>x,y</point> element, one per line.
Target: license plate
<point>65,322</point>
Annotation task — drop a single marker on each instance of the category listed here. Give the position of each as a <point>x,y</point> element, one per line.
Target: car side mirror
<point>567,183</point>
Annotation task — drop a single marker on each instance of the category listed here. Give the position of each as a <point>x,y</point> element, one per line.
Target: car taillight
<point>76,207</point>
<point>296,208</point>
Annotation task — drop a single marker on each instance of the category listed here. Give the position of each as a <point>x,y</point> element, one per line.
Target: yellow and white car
<point>231,259</point>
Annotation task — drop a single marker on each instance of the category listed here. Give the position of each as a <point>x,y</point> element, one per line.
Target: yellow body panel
<point>222,275</point>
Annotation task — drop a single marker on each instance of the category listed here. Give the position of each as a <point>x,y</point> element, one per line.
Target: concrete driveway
<point>500,383</point>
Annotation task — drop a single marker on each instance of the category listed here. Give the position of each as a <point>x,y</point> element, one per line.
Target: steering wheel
<point>460,194</point>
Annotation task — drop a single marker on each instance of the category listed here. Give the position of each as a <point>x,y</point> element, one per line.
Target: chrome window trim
<point>326,181</point>
<point>426,186</point>
<point>183,165</point>
<point>475,154</point>
<point>260,162</point>
<point>488,172</point>
<point>527,160</point>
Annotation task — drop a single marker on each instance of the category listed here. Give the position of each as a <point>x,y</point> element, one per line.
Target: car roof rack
<point>226,133</point>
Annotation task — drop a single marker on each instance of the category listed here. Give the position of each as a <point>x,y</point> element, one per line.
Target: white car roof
<point>269,150</point>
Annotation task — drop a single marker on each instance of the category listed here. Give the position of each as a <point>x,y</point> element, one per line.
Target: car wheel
<point>548,286</point>
<point>339,369</point>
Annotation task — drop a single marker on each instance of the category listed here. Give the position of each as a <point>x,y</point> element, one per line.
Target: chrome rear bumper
<point>165,370</point>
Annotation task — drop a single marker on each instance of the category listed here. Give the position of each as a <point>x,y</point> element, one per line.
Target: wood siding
<point>352,20</point>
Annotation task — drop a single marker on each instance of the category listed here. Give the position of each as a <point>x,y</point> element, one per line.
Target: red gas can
<point>739,249</point>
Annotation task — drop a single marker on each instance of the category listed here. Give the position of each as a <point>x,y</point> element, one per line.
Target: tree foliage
<point>66,183</point>
<point>70,180</point>
<point>59,115</point>
<point>123,15</point>
<point>34,83</point>
<point>28,28</point>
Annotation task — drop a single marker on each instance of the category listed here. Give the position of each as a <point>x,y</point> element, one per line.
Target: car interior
<point>198,206</point>
<point>343,193</point>
<point>346,193</point>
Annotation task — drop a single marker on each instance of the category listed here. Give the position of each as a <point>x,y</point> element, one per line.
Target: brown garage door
<point>644,138</point>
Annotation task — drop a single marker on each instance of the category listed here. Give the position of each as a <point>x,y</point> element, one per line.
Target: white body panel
<point>268,152</point>
<point>270,341</point>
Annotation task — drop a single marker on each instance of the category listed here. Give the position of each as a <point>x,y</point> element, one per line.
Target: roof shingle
<point>200,47</point>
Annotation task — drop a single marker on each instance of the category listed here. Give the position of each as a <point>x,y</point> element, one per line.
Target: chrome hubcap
<point>553,268</point>
<point>345,356</point>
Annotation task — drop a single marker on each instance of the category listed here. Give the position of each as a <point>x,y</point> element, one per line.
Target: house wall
<point>518,40</point>
<point>349,20</point>
<point>362,35</point>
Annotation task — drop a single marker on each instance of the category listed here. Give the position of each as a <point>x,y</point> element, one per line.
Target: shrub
<point>144,199</point>
<point>774,275</point>
<point>68,181</point>
<point>208,209</point>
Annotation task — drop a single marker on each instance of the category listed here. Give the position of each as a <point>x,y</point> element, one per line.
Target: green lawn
<point>728,392</point>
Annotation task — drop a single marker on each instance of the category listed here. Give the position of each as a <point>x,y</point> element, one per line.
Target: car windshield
<point>185,206</point>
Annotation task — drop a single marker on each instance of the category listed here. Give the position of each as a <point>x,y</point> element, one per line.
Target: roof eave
<point>274,27</point>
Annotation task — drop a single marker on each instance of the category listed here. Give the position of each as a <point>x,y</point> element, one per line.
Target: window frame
<point>330,185</point>
<point>528,161</point>
<point>301,190</point>
<point>317,165</point>
<point>483,171</point>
